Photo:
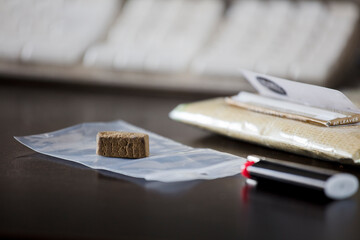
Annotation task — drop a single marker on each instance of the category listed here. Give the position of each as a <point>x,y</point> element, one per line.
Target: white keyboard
<point>196,45</point>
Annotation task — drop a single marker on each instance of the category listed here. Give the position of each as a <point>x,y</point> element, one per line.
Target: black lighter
<point>333,184</point>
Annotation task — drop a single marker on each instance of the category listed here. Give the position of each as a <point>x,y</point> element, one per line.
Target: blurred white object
<point>296,40</point>
<point>158,35</point>
<point>56,32</point>
<point>183,44</point>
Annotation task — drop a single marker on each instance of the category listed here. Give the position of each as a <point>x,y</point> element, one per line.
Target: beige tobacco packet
<point>338,143</point>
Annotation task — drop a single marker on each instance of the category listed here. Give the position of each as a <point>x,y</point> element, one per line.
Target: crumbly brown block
<point>122,144</point>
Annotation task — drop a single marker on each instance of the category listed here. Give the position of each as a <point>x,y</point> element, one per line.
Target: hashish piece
<point>122,144</point>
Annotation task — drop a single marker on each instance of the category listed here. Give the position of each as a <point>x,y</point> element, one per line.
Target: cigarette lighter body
<point>335,185</point>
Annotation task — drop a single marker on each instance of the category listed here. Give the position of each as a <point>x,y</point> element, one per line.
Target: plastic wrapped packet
<point>291,116</point>
<point>169,161</point>
<point>340,143</point>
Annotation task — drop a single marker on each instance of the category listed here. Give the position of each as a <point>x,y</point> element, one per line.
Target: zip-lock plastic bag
<point>169,161</point>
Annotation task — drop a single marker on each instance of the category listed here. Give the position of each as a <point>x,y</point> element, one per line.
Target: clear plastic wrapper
<point>339,143</point>
<point>169,161</point>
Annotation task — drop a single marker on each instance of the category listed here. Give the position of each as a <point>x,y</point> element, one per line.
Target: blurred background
<point>179,45</point>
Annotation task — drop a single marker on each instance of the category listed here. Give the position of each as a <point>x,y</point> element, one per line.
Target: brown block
<point>122,144</point>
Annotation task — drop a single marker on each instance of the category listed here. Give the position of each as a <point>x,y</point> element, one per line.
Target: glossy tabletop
<point>47,198</point>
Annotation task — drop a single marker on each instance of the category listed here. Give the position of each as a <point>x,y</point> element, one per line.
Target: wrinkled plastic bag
<point>169,161</point>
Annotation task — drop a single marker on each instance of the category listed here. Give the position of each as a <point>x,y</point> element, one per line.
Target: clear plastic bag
<point>169,161</point>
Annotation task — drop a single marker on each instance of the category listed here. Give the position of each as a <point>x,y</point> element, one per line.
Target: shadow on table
<point>309,214</point>
<point>160,187</point>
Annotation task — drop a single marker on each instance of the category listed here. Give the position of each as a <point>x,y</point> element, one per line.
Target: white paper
<point>169,161</point>
<point>288,107</point>
<point>302,93</point>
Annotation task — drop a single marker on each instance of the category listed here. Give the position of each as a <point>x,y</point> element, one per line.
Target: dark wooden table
<point>47,198</point>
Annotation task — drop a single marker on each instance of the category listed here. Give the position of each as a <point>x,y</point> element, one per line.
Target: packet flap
<point>302,93</point>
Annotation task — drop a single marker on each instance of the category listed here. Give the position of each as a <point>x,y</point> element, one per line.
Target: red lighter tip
<point>244,170</point>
